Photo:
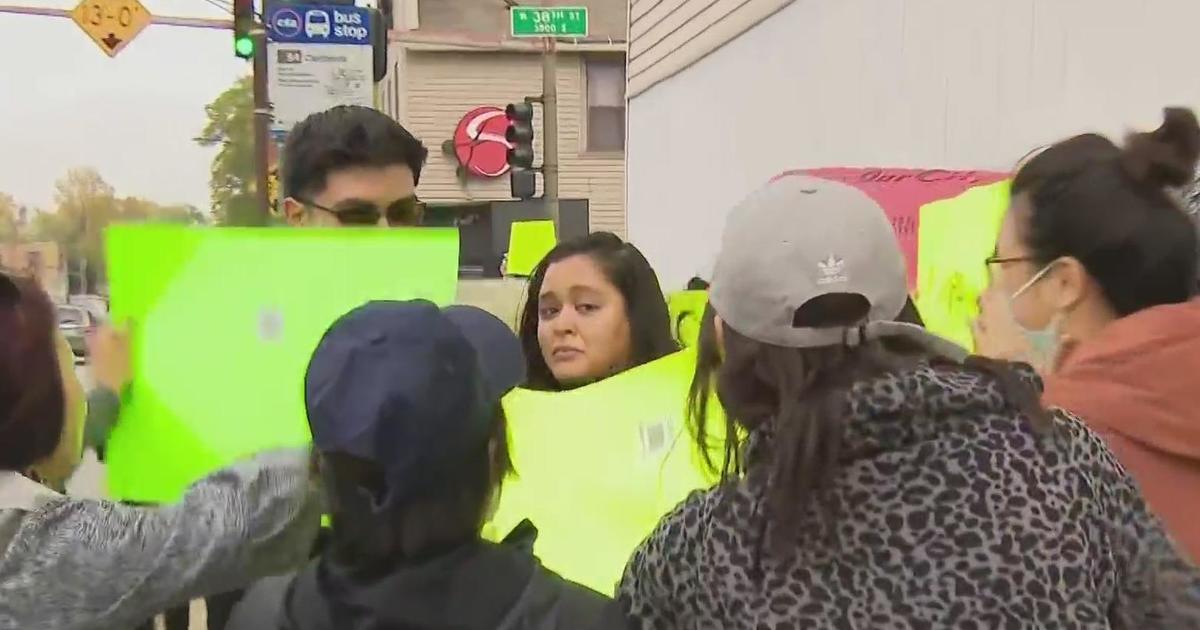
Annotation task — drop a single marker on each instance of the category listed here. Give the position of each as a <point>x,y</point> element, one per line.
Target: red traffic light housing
<point>519,134</point>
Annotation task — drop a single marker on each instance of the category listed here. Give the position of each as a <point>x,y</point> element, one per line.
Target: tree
<point>230,126</point>
<point>136,210</point>
<point>86,204</point>
<point>9,215</point>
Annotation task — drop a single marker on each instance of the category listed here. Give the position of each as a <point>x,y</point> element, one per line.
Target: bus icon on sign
<point>316,24</point>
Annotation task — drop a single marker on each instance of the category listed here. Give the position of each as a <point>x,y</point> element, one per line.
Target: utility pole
<point>550,132</point>
<point>262,126</point>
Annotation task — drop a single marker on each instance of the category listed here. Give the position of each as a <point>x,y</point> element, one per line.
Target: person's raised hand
<point>997,334</point>
<point>108,348</point>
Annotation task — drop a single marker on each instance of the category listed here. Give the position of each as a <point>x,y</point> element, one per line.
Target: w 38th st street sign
<point>548,21</point>
<point>112,24</point>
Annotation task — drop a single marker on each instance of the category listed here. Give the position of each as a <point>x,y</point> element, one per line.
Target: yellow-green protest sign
<point>687,312</point>
<point>955,238</point>
<point>225,322</point>
<point>528,243</point>
<point>597,467</point>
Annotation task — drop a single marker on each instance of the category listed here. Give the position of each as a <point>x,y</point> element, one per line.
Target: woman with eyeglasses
<point>76,563</point>
<point>1094,284</point>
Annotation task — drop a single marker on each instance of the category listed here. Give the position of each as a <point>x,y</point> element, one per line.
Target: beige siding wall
<point>439,87</point>
<point>666,36</point>
<point>972,84</point>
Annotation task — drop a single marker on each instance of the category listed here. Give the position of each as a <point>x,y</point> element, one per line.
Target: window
<point>605,104</point>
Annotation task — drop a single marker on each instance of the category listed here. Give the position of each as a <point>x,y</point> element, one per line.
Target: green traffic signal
<point>244,47</point>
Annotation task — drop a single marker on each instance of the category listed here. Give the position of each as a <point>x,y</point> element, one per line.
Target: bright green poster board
<point>528,244</point>
<point>225,322</point>
<point>955,238</point>
<point>599,466</point>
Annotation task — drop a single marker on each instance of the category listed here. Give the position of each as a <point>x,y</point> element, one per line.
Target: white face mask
<point>1043,343</point>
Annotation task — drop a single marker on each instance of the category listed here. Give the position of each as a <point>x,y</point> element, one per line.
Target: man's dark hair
<point>346,136</point>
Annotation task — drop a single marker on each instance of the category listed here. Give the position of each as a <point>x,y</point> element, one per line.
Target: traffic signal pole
<point>550,131</point>
<point>262,128</point>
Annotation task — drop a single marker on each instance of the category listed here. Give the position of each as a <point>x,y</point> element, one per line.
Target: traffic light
<point>381,22</point>
<point>243,28</point>
<point>519,134</point>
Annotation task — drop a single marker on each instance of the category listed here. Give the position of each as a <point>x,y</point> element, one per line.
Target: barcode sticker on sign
<point>656,437</point>
<point>270,325</point>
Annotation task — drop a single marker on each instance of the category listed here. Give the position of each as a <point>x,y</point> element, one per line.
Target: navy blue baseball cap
<point>411,388</point>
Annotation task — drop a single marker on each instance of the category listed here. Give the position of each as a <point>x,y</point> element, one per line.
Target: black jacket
<point>478,586</point>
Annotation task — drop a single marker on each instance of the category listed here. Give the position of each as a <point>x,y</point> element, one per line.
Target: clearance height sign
<point>318,56</point>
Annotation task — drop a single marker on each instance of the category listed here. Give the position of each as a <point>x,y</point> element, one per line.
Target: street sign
<point>318,56</point>
<point>112,24</point>
<point>549,21</point>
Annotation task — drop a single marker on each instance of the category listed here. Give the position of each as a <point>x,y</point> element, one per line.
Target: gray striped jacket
<point>77,564</point>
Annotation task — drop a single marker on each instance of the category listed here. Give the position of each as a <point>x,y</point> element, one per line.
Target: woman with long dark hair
<point>885,479</point>
<point>73,563</point>
<point>1094,282</point>
<point>594,308</point>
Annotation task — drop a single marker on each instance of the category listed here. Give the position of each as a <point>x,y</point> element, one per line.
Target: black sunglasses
<point>406,211</point>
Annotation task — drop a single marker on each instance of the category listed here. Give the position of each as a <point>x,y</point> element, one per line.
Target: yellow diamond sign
<point>111,23</point>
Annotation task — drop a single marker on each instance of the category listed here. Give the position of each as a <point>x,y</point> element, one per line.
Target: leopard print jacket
<point>953,512</point>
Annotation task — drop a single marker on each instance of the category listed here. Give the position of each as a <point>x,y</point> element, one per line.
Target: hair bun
<point>1166,156</point>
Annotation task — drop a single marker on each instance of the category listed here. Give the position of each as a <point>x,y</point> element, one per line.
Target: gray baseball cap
<point>799,238</point>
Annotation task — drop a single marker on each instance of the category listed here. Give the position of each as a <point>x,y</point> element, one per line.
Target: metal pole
<point>550,132</point>
<point>191,22</point>
<point>262,129</point>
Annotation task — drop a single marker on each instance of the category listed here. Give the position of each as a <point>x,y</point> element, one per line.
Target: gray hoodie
<point>75,564</point>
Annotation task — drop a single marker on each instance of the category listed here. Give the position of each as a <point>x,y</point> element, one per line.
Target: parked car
<point>76,323</point>
<point>97,305</point>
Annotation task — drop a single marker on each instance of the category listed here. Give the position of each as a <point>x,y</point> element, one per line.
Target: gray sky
<point>64,103</point>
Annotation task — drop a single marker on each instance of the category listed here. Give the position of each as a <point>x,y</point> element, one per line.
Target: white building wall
<point>906,83</point>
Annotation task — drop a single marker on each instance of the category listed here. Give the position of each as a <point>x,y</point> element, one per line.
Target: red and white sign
<point>479,142</point>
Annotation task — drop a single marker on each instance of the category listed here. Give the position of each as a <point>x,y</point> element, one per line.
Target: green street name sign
<point>549,21</point>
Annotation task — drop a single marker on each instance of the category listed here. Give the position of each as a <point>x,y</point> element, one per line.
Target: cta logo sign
<point>286,23</point>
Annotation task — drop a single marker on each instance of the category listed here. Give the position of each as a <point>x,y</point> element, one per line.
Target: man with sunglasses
<point>352,166</point>
<point>346,166</point>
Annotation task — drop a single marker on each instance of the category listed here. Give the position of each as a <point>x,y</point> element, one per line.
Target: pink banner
<point>902,192</point>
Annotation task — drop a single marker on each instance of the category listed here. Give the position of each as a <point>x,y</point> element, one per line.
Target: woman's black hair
<point>628,270</point>
<point>446,515</point>
<point>32,401</point>
<point>1116,210</point>
<point>802,393</point>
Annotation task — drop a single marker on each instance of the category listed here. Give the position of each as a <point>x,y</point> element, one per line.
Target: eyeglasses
<point>406,211</point>
<point>998,260</point>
